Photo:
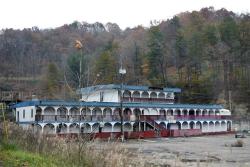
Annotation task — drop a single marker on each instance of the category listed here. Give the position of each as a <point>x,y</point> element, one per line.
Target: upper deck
<point>112,93</point>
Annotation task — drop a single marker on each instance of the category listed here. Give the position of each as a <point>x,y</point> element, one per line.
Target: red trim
<point>149,134</point>
<point>165,133</point>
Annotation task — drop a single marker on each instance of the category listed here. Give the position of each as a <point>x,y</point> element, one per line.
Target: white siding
<point>93,96</point>
<point>27,110</point>
<point>225,112</point>
<point>108,96</point>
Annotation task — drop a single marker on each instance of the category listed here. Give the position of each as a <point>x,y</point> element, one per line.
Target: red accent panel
<point>149,134</point>
<point>165,133</point>
<point>134,135</point>
<point>103,135</point>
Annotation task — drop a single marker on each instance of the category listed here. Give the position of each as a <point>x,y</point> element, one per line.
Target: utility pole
<point>122,72</point>
<point>78,46</point>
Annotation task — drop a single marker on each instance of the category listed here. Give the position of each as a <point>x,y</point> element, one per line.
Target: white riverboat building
<point>108,109</point>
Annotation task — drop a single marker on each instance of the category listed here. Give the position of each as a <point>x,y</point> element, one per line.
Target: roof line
<point>128,87</point>
<point>115,104</point>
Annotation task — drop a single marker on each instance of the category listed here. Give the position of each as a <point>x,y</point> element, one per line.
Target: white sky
<point>19,14</point>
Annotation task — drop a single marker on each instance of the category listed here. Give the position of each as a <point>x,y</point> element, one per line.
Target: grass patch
<point>11,156</point>
<point>28,148</point>
<point>5,146</point>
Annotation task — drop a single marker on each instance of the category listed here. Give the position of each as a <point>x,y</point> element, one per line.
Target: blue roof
<point>115,104</point>
<point>128,87</point>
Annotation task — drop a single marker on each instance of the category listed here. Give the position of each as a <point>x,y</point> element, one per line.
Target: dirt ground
<point>211,151</point>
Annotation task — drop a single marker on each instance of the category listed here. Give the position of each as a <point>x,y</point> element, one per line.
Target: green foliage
<point>11,156</point>
<point>244,36</point>
<point>181,47</point>
<point>137,68</point>
<point>52,81</point>
<point>28,148</point>
<point>229,31</point>
<point>195,48</point>
<point>210,35</point>
<point>175,22</point>
<point>105,68</point>
<point>73,63</point>
<point>7,146</point>
<point>155,56</point>
<point>197,21</point>
<point>205,52</point>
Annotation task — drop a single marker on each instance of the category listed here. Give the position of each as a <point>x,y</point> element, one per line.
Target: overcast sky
<point>19,14</point>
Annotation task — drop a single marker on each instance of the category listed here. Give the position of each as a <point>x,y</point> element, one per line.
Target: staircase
<point>154,124</point>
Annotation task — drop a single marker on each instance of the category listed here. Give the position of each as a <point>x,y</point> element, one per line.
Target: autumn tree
<point>206,53</point>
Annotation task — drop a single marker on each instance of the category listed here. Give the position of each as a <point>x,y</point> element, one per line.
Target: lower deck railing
<point>90,118</point>
<point>160,100</point>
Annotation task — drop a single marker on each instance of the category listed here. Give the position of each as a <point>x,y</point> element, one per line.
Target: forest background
<point>206,53</point>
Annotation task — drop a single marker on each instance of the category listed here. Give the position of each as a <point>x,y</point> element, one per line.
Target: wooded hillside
<point>206,53</point>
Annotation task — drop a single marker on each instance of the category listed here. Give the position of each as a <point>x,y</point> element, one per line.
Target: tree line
<point>206,53</point>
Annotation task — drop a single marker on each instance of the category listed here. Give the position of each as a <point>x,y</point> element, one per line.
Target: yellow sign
<point>78,44</point>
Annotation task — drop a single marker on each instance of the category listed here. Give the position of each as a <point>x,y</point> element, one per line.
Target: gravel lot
<point>212,151</point>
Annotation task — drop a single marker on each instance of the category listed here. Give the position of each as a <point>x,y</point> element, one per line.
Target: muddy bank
<point>193,151</point>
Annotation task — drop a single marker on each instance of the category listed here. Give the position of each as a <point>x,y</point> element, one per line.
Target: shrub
<point>69,151</point>
<point>238,143</point>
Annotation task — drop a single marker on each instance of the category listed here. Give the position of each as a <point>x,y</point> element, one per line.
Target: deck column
<point>139,126</point>
<point>42,108</point>
<point>56,108</point>
<point>55,126</point>
<point>67,129</point>
<point>157,94</point>
<point>214,111</point>
<point>181,111</point>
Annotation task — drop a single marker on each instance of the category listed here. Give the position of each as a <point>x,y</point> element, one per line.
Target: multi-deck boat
<point>132,111</point>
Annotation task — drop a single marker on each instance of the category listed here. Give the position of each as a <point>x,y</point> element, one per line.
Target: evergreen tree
<point>73,64</point>
<point>105,67</point>
<point>137,64</point>
<point>229,36</point>
<point>52,81</point>
<point>155,57</point>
